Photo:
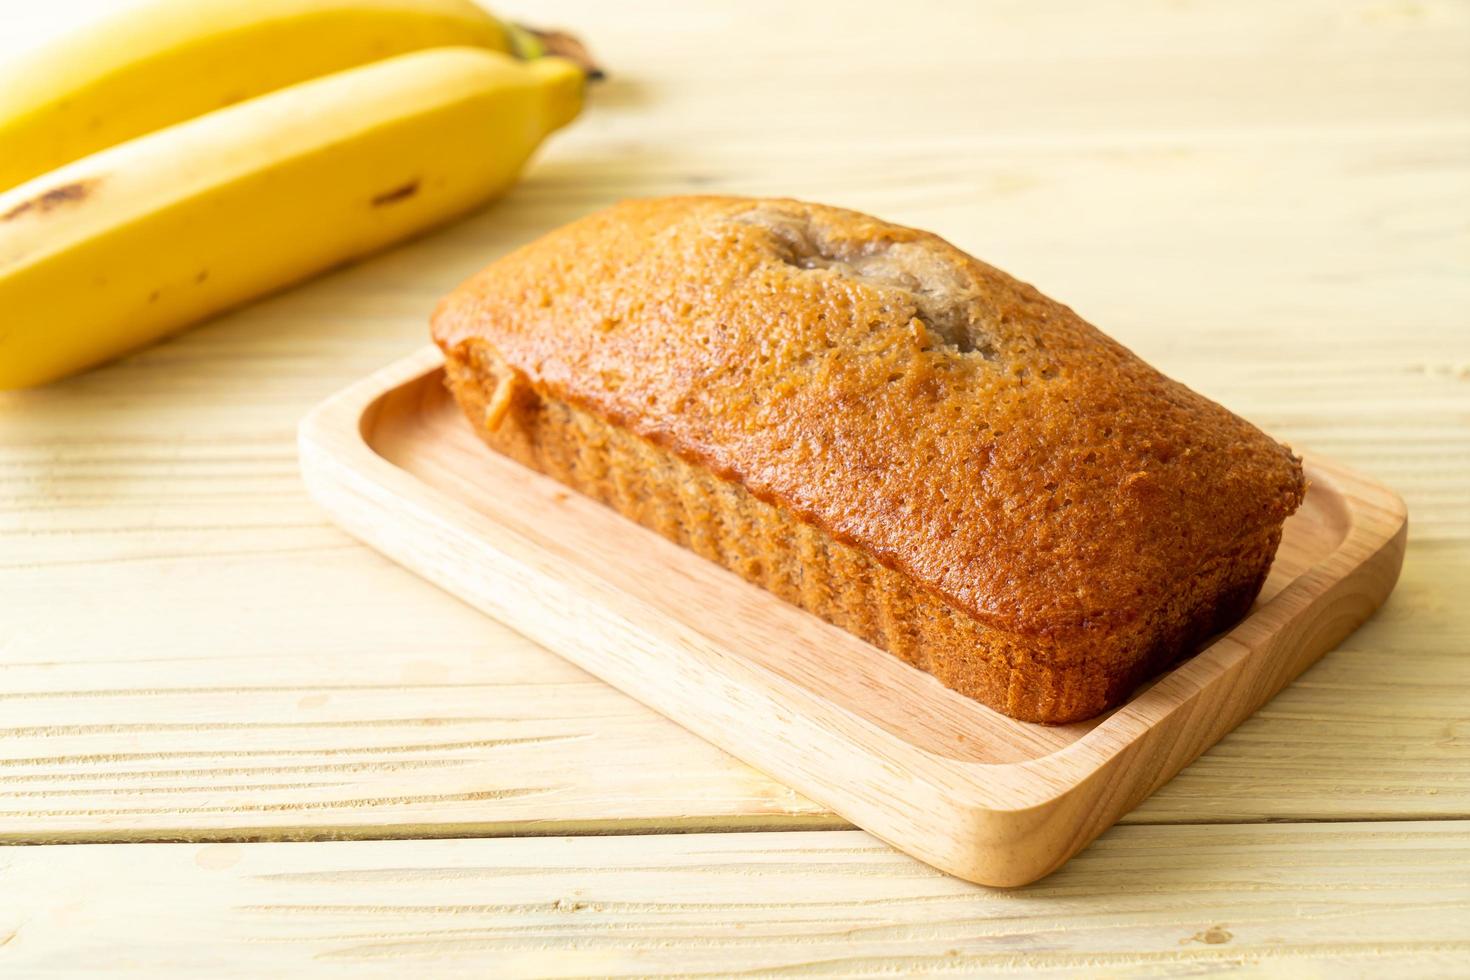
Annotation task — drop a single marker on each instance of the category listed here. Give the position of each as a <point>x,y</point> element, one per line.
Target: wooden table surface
<point>233,741</point>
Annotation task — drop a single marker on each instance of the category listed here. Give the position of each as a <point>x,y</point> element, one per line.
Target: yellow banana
<point>126,245</point>
<point>164,61</point>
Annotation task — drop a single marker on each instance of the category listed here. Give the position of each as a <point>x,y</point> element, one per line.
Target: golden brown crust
<point>951,439</point>
<point>765,544</point>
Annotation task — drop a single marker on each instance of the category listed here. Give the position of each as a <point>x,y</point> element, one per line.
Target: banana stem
<point>530,43</point>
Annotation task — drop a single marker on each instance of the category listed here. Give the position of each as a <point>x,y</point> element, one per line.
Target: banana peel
<point>141,236</point>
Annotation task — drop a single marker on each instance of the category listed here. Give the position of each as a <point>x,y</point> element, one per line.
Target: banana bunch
<point>187,157</point>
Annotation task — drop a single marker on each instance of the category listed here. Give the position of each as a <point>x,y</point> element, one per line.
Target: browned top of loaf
<point>915,402</point>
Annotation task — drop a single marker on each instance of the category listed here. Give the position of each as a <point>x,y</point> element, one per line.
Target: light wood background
<point>1269,201</point>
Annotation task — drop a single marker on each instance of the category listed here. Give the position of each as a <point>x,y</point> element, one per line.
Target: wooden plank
<point>387,690</point>
<point>1342,900</point>
<point>1018,69</point>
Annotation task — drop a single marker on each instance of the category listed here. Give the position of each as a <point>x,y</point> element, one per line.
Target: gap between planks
<point>752,824</point>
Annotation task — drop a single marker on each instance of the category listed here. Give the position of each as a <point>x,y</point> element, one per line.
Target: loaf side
<point>1025,677</point>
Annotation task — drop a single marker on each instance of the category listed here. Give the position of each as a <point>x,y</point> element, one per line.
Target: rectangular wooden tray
<point>941,777</point>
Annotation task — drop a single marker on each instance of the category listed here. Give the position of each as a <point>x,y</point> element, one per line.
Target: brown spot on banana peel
<point>50,200</point>
<point>399,193</point>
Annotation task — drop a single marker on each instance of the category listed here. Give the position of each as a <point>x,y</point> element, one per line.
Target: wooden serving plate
<point>951,782</point>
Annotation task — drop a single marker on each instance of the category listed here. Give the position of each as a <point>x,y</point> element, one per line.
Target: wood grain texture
<point>1160,901</point>
<point>306,706</point>
<point>1289,249</point>
<point>1267,203</point>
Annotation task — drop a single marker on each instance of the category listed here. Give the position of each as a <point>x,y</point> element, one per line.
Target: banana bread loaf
<point>883,430</point>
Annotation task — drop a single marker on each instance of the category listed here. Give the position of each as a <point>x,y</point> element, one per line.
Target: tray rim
<point>1040,789</point>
